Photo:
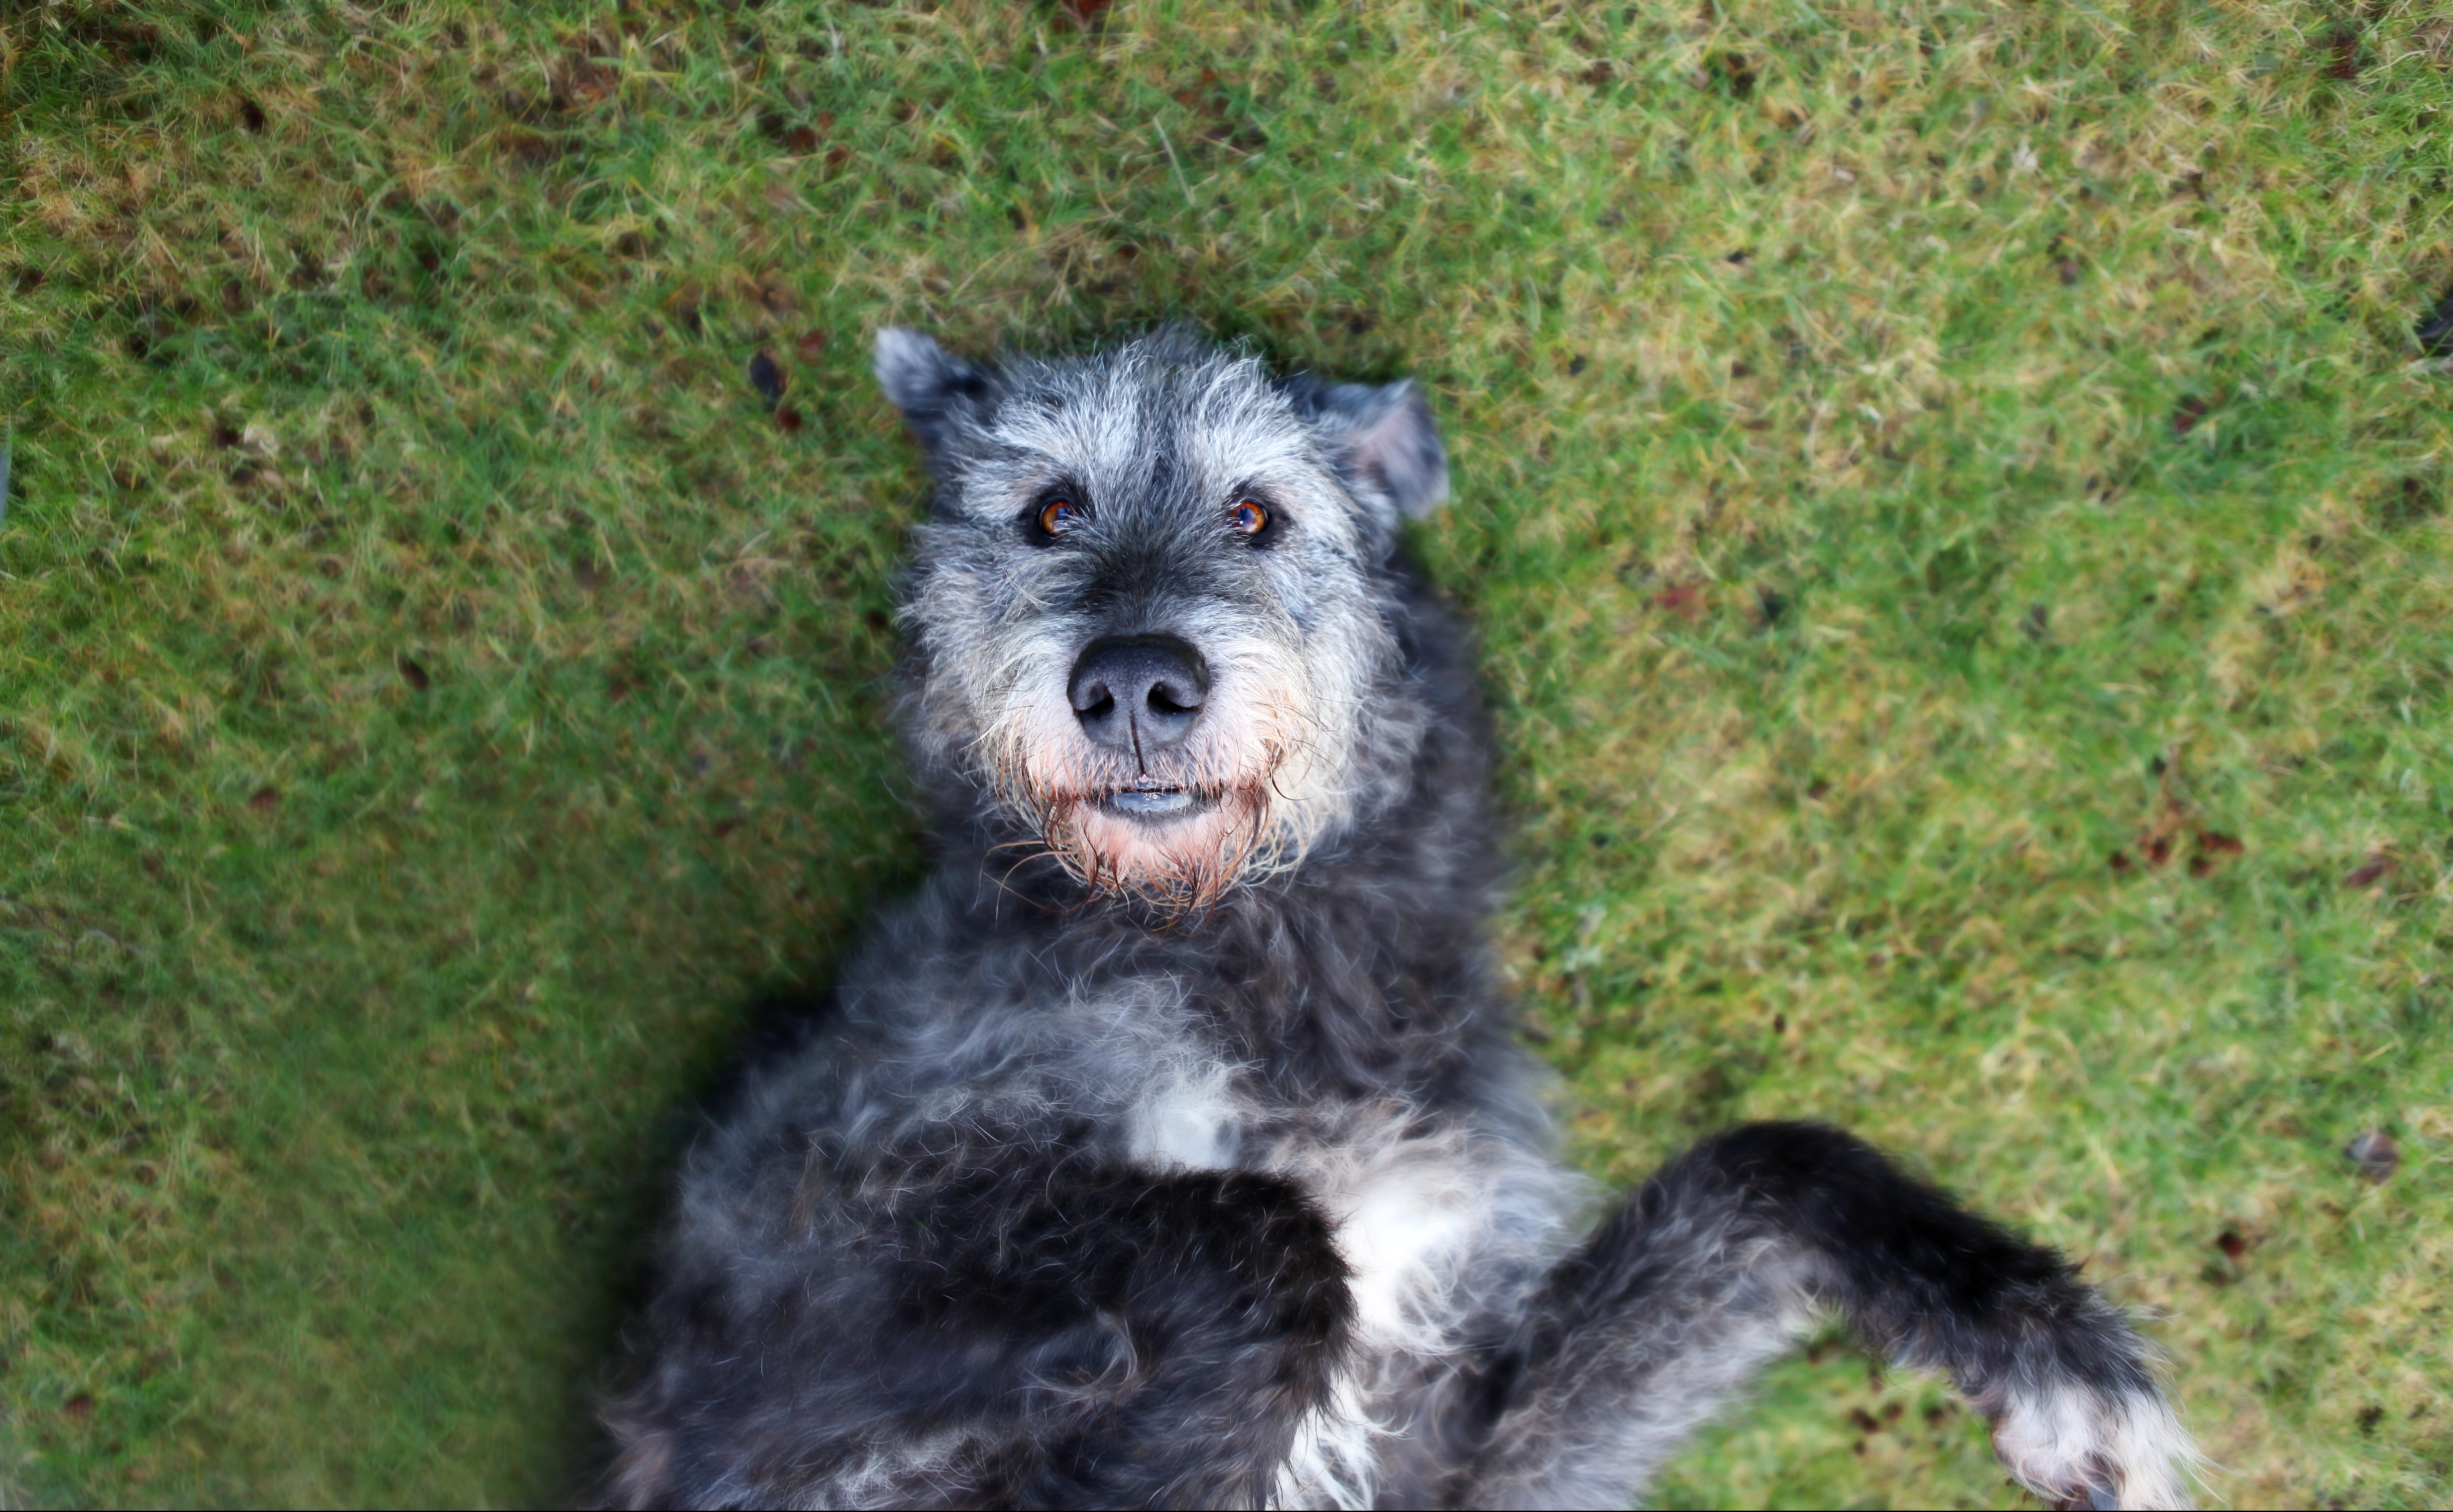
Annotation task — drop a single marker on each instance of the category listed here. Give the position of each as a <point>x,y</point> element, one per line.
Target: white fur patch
<point>1188,1122</point>
<point>1405,1217</point>
<point>2067,1443</point>
<point>1401,1227</point>
<point>883,1477</point>
<point>1336,1454</point>
<point>1419,1217</point>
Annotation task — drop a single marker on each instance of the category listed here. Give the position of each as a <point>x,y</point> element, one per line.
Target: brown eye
<point>1248,518</point>
<point>1058,516</point>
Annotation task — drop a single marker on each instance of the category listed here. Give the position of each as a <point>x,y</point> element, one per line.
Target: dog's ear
<point>934,392</point>
<point>1381,435</point>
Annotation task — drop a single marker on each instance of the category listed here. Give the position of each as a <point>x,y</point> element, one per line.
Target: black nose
<point>1137,692</point>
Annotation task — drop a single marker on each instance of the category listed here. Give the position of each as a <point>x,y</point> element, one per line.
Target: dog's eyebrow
<point>1253,486</point>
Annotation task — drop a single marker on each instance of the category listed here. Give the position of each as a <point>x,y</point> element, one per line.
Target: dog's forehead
<point>1111,422</point>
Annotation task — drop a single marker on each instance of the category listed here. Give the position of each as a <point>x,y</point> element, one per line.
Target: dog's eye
<point>1248,517</point>
<point>1059,515</point>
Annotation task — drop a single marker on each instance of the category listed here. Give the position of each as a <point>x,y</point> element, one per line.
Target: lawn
<point>1953,492</point>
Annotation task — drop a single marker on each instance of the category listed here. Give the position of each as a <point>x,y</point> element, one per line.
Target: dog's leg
<point>1229,1314</point>
<point>1724,1258</point>
<point>957,1333</point>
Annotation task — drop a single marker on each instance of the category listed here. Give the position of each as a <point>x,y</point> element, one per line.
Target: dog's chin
<point>1176,846</point>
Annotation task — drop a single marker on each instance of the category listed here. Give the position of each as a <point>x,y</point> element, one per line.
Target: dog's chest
<point>1408,1203</point>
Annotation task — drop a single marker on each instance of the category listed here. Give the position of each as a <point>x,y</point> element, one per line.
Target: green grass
<point>1906,454</point>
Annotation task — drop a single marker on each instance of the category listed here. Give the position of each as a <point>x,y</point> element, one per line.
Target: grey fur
<point>1185,1159</point>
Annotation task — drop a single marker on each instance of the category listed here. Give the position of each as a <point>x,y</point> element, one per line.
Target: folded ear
<point>934,392</point>
<point>1381,436</point>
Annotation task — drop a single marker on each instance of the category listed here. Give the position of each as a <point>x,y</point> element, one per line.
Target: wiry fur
<point>1186,1161</point>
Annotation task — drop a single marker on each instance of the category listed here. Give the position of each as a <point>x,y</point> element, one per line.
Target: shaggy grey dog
<point>1170,1148</point>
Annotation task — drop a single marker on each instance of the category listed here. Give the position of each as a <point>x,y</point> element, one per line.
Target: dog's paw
<point>2080,1446</point>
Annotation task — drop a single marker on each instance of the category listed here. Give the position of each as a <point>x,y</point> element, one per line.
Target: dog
<point>1170,1148</point>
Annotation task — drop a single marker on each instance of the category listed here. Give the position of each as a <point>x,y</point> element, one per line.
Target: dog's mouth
<point>1152,801</point>
<point>1174,839</point>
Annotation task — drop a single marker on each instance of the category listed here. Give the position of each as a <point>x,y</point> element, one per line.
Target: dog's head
<point>1153,618</point>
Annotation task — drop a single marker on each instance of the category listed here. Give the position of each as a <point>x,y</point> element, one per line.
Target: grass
<point>1952,493</point>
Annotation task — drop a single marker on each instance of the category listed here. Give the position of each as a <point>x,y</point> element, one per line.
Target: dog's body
<point>1171,1150</point>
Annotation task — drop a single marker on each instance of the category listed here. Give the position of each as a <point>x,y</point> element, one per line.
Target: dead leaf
<point>2344,45</point>
<point>2370,871</point>
<point>1084,15</point>
<point>2211,847</point>
<point>1686,600</point>
<point>2373,1154</point>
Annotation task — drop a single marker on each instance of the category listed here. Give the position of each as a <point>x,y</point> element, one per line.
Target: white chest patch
<point>1412,1212</point>
<point>1408,1210</point>
<point>1403,1220</point>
